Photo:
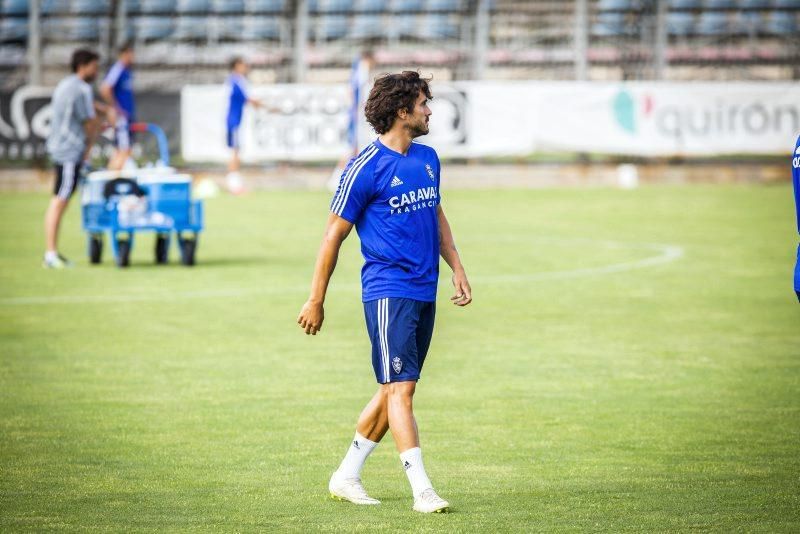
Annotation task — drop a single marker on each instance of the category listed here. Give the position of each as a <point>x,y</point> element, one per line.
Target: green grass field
<point>631,362</point>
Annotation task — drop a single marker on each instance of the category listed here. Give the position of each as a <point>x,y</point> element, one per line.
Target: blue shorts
<point>400,331</point>
<point>232,136</point>
<point>797,274</point>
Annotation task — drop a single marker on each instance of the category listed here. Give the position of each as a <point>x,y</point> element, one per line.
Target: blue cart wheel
<point>95,248</point>
<point>162,248</point>
<point>123,253</point>
<point>188,248</point>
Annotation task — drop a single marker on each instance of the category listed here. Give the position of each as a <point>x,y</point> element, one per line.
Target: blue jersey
<point>392,200</point>
<point>796,185</point>
<point>237,98</point>
<point>796,180</point>
<point>120,79</point>
<point>359,80</point>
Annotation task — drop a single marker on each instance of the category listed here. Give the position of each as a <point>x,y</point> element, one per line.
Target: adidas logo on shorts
<point>396,181</point>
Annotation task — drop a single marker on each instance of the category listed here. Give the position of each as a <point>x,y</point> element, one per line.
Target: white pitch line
<point>665,254</point>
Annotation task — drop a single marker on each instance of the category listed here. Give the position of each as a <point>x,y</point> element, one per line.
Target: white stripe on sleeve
<point>347,183</point>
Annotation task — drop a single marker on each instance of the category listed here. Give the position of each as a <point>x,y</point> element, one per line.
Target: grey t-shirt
<point>71,106</point>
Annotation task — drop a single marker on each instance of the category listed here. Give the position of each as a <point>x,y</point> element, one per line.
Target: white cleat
<point>57,262</point>
<point>349,489</point>
<point>430,503</point>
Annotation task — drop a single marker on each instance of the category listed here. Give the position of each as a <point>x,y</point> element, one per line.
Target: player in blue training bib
<point>117,91</point>
<point>390,193</point>
<point>238,94</point>
<point>796,185</point>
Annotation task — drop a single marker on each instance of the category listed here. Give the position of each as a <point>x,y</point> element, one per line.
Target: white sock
<point>355,457</point>
<point>412,463</point>
<point>51,255</point>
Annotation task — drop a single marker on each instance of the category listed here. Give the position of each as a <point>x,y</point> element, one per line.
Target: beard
<point>419,129</point>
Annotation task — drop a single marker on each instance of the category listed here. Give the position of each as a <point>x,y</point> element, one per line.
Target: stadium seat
<point>191,28</point>
<point>713,23</point>
<point>130,31</point>
<point>91,7</point>
<point>747,23</point>
<point>407,5</point>
<point>54,7</point>
<point>265,6</point>
<point>373,6</point>
<point>332,27</point>
<point>153,28</point>
<point>685,4</point>
<point>15,7</point>
<point>133,6</point>
<point>261,28</point>
<point>158,6</point>
<point>84,29</point>
<point>755,4</point>
<point>680,23</point>
<point>720,4</point>
<point>781,23</point>
<point>193,6</point>
<point>438,26</point>
<point>228,6</point>
<point>57,29</point>
<point>71,28</point>
<point>787,4</point>
<point>366,27</point>
<point>229,28</point>
<point>331,6</point>
<point>443,5</point>
<point>405,25</point>
<point>615,5</point>
<point>13,30</point>
<point>609,25</point>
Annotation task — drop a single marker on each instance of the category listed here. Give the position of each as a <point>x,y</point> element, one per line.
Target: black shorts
<point>66,179</point>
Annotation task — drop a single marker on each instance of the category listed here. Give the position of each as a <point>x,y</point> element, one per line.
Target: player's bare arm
<point>109,108</point>
<point>313,314</point>
<point>92,127</point>
<point>448,251</point>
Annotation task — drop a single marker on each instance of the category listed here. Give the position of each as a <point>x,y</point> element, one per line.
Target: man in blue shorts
<point>796,185</point>
<point>238,92</point>
<point>360,71</point>
<point>117,91</point>
<point>390,192</point>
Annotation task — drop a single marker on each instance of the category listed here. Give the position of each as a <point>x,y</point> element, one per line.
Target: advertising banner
<point>479,119</point>
<point>312,121</point>
<point>307,122</point>
<point>25,122</point>
<point>668,119</point>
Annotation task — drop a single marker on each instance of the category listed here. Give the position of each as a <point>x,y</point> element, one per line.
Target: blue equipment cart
<point>156,199</point>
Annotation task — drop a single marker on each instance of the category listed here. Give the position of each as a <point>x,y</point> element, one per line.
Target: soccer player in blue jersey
<point>359,85</point>
<point>117,91</point>
<point>796,185</point>
<point>390,193</point>
<point>238,92</point>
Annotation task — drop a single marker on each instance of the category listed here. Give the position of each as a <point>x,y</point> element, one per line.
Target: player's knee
<point>400,390</point>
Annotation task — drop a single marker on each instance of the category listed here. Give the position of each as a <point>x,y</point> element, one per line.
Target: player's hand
<point>463,294</point>
<point>311,317</point>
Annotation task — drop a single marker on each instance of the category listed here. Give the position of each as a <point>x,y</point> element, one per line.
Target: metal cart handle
<point>161,138</point>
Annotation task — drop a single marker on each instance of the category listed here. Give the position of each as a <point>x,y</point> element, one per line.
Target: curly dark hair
<point>390,94</point>
<point>82,57</point>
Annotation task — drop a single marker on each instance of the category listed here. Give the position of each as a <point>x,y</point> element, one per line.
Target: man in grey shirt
<point>73,128</point>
